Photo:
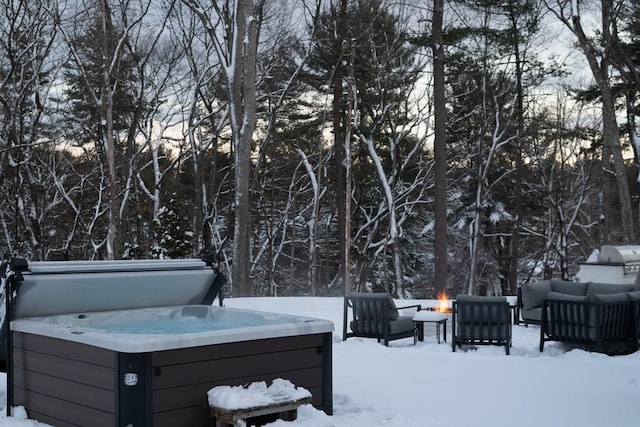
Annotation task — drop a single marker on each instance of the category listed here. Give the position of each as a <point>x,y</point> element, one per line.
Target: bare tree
<point>599,49</point>
<point>233,28</point>
<point>27,72</point>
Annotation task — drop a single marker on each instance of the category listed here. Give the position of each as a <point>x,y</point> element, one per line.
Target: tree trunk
<point>610,131</point>
<point>517,208</point>
<point>340,135</point>
<point>439,150</point>
<point>107,127</point>
<point>242,90</point>
<point>313,223</point>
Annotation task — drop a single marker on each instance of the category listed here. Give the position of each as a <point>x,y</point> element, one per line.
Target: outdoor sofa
<point>599,316</point>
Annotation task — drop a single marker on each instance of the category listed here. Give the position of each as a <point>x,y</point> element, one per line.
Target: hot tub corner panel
<point>133,389</point>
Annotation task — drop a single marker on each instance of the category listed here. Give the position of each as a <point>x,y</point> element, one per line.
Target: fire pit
<point>443,305</point>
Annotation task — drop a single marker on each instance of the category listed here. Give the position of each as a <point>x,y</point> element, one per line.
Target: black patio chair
<point>479,320</point>
<point>376,316</point>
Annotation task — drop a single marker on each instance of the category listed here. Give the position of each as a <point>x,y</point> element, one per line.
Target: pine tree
<point>175,238</point>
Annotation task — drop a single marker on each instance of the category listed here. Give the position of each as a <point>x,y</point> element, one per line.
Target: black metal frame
<point>486,315</point>
<point>12,273</point>
<point>378,323</point>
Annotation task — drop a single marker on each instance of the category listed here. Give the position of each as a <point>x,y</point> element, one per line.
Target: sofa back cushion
<point>533,294</point>
<point>569,288</point>
<point>561,296</point>
<point>608,288</point>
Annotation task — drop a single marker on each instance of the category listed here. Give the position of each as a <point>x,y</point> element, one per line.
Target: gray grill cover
<point>619,254</point>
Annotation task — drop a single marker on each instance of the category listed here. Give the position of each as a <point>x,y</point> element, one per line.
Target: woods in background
<point>288,138</point>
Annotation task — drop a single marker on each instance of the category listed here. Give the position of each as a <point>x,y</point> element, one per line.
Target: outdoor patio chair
<point>479,320</point>
<point>376,316</point>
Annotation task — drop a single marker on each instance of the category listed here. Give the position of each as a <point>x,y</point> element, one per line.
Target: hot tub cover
<point>59,287</point>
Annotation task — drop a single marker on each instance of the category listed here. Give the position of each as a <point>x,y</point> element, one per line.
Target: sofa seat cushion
<point>533,294</point>
<point>620,297</point>
<point>607,288</point>
<point>569,288</point>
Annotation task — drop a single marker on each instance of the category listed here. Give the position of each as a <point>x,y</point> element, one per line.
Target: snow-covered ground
<point>429,385</point>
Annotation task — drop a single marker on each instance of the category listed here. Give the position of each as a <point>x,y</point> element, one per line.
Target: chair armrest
<point>418,306</point>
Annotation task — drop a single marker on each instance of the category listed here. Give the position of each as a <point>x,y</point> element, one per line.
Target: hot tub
<point>153,366</point>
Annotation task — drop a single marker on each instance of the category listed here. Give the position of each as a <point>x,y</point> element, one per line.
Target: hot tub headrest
<point>63,287</point>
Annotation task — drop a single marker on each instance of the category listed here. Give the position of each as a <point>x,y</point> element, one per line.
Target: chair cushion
<point>400,325</point>
<point>570,288</point>
<point>367,327</point>
<point>393,311</point>
<point>533,294</point>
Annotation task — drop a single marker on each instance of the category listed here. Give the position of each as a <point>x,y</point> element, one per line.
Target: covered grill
<point>613,264</point>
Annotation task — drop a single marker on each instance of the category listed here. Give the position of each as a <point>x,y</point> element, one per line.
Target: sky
<point>428,385</point>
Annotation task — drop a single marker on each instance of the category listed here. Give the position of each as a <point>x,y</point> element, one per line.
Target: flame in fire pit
<point>443,303</point>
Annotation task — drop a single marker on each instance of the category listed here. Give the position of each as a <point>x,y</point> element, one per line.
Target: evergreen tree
<point>377,69</point>
<point>172,227</point>
<point>84,77</point>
